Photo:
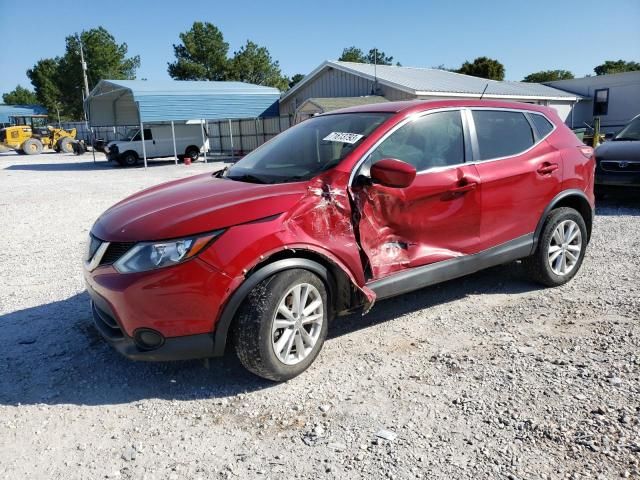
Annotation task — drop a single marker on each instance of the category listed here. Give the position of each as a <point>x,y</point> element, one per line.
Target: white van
<point>158,143</point>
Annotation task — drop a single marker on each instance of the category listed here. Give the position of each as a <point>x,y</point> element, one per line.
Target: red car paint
<point>366,232</point>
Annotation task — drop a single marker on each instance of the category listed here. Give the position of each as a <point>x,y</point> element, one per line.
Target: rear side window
<point>501,133</point>
<point>543,125</point>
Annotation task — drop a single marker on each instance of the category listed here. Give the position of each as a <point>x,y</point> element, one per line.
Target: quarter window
<point>543,125</point>
<point>501,133</point>
<point>434,140</point>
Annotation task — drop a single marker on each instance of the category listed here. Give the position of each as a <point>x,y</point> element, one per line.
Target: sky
<point>524,35</point>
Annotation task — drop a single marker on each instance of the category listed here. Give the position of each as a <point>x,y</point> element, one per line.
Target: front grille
<point>106,323</point>
<point>620,166</point>
<point>115,250</point>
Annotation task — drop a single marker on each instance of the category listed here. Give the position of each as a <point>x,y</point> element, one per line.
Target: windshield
<point>307,149</point>
<point>131,133</point>
<point>631,131</point>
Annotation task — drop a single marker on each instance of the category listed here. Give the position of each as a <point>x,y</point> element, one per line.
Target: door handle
<point>466,187</point>
<point>547,168</point>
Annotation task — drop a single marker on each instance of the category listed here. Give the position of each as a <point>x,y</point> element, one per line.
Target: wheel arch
<point>573,198</point>
<point>342,292</point>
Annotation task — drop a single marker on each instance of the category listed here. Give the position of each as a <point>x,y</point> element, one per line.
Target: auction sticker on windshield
<point>343,137</point>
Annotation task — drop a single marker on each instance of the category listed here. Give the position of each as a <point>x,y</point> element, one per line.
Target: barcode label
<point>342,137</point>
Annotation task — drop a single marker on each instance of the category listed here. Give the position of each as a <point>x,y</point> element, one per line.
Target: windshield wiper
<point>626,139</point>
<point>247,177</point>
<point>220,173</point>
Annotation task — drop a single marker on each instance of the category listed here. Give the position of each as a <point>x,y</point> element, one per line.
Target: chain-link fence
<point>226,137</point>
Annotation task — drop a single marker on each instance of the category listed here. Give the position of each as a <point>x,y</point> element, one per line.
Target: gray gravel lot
<point>488,376</point>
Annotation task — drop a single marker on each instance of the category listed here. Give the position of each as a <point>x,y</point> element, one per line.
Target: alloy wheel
<point>565,246</point>
<point>297,323</point>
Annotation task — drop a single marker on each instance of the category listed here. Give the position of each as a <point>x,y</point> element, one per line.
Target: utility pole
<point>86,96</point>
<point>84,69</point>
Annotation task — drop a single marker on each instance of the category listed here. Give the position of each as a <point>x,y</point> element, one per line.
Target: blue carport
<point>138,102</point>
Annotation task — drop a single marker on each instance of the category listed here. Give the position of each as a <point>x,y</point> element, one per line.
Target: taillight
<point>586,151</point>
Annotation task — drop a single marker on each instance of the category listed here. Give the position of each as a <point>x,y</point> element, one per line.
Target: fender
<point>229,312</point>
<point>557,200</point>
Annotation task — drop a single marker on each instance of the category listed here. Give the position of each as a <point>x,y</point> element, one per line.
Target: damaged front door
<point>437,217</point>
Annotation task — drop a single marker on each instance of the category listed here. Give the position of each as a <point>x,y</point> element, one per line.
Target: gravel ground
<point>488,376</point>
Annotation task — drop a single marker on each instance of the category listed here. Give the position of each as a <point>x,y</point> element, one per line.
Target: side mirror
<point>393,173</point>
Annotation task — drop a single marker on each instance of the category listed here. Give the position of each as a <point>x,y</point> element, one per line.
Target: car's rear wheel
<point>560,250</point>
<point>193,153</point>
<point>32,146</point>
<point>282,325</point>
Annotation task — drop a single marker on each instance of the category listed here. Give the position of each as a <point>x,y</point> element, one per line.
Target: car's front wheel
<point>560,250</point>
<point>282,325</point>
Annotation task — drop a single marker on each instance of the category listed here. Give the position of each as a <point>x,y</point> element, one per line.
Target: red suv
<point>343,209</point>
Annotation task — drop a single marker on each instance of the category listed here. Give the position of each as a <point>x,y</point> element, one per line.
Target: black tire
<point>538,266</point>
<point>32,146</point>
<point>129,159</point>
<point>193,153</point>
<point>65,145</point>
<point>251,333</point>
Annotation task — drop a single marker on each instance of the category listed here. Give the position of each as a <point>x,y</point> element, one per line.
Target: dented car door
<point>437,217</point>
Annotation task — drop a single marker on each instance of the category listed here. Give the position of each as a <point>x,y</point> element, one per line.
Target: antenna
<point>485,89</point>
<point>374,87</point>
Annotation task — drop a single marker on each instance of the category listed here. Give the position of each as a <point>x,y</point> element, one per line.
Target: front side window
<point>434,140</point>
<point>305,150</point>
<point>501,133</point>
<point>134,135</point>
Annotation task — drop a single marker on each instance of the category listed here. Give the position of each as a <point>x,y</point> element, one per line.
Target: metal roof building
<point>615,98</point>
<point>7,111</point>
<point>347,79</point>
<point>314,106</point>
<point>131,102</point>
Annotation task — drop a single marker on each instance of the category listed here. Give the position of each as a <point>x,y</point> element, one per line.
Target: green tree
<point>295,79</point>
<point>106,59</point>
<point>379,57</point>
<point>548,76</point>
<point>253,64</point>
<point>353,54</point>
<point>58,81</point>
<point>616,66</point>
<point>202,55</point>
<point>483,67</point>
<point>44,76</point>
<point>20,96</point>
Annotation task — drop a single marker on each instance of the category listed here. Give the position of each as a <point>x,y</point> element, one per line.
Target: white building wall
<point>624,98</point>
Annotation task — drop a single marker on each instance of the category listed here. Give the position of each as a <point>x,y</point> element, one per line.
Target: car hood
<point>619,150</point>
<point>193,205</point>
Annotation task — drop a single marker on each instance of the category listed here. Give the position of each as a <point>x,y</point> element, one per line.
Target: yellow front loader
<point>31,134</point>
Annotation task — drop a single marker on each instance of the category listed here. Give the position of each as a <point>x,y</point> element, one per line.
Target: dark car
<point>618,161</point>
<point>338,211</point>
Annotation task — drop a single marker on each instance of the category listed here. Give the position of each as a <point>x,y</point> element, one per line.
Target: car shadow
<point>503,279</point>
<point>52,353</point>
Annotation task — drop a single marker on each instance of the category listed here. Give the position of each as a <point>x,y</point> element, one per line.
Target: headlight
<point>152,255</point>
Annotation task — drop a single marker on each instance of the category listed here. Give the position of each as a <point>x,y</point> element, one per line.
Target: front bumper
<point>179,303</point>
<point>188,347</point>
<point>617,176</point>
